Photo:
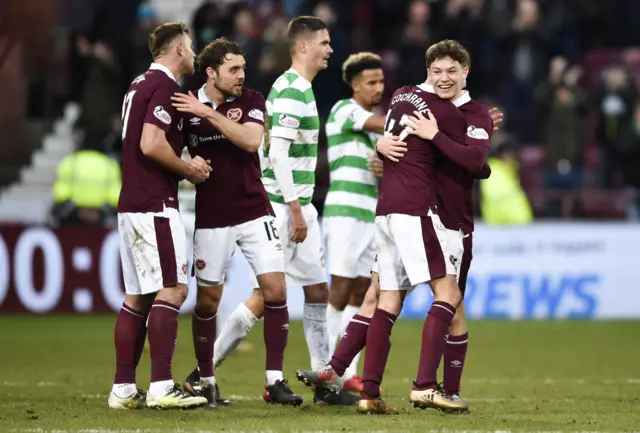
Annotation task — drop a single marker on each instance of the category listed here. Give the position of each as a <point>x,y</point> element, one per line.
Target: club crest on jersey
<point>184,268</point>
<point>193,140</point>
<point>234,114</point>
<point>256,114</point>
<point>288,122</point>
<point>161,114</point>
<point>477,133</point>
<point>200,264</point>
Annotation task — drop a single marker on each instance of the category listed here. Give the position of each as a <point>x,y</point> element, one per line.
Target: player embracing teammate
<point>429,187</point>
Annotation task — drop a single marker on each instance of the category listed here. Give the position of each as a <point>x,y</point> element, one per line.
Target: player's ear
<point>465,72</point>
<point>211,73</point>
<point>302,46</point>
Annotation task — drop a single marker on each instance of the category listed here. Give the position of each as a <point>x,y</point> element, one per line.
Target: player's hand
<point>190,104</point>
<point>375,165</point>
<point>497,118</point>
<point>298,226</point>
<point>199,170</point>
<point>423,127</point>
<point>391,147</point>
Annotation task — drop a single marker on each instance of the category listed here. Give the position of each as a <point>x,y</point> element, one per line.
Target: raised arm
<point>247,135</point>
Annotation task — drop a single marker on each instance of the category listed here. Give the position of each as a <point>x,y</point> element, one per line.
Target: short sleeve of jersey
<point>479,130</point>
<point>160,112</point>
<point>288,111</point>
<point>256,109</point>
<point>356,116</point>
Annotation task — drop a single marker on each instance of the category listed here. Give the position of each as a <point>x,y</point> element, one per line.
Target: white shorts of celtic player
<point>351,246</point>
<point>304,262</point>
<point>258,240</point>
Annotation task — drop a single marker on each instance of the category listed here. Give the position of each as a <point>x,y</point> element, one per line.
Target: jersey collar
<point>163,68</point>
<point>466,97</point>
<point>202,97</point>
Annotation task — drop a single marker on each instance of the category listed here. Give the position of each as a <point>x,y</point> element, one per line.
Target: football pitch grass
<point>520,376</point>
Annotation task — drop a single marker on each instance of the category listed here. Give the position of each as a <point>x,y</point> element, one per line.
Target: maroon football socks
<point>163,332</point>
<point>375,356</point>
<point>455,352</point>
<point>203,328</point>
<point>130,334</point>
<point>351,343</point>
<point>434,332</point>
<point>276,333</point>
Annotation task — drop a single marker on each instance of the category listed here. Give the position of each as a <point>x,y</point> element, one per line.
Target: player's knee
<point>340,290</point>
<point>141,303</point>
<point>208,298</point>
<point>272,286</point>
<point>316,293</point>
<point>175,295</point>
<point>391,301</point>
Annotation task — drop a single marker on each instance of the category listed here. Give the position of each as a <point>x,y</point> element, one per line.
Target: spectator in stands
<point>86,189</point>
<point>101,121</point>
<point>563,110</point>
<point>525,48</point>
<point>147,21</point>
<point>247,34</point>
<point>274,59</point>
<point>629,148</point>
<point>615,102</point>
<point>415,39</point>
<point>502,199</point>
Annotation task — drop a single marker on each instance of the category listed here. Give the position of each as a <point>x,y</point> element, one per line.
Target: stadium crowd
<point>564,72</point>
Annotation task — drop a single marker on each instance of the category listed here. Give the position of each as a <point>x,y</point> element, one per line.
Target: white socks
<point>160,388</point>
<point>314,321</point>
<point>235,329</point>
<point>124,390</point>
<point>273,376</point>
<point>347,315</point>
<point>334,326</point>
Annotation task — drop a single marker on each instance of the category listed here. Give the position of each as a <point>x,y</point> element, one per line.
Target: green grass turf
<point>56,374</point>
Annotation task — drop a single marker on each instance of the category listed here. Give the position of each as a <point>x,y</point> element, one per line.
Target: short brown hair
<point>448,48</point>
<point>163,35</point>
<point>359,62</point>
<point>214,54</point>
<point>301,26</point>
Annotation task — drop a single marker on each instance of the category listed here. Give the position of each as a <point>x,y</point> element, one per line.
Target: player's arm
<point>484,173</point>
<point>154,144</point>
<point>357,118</point>
<point>472,154</point>
<point>247,136</point>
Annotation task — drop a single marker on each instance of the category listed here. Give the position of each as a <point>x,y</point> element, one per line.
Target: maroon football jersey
<point>234,193</point>
<point>457,165</point>
<point>147,185</point>
<point>409,186</point>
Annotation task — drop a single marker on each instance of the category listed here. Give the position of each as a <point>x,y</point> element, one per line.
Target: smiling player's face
<point>447,77</point>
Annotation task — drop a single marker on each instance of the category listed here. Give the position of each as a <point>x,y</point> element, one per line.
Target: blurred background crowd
<point>564,72</point>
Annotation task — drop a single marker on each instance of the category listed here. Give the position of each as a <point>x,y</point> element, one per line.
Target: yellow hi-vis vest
<point>502,200</point>
<point>89,179</point>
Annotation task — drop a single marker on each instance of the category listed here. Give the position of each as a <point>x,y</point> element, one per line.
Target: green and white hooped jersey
<point>353,190</point>
<point>293,115</point>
